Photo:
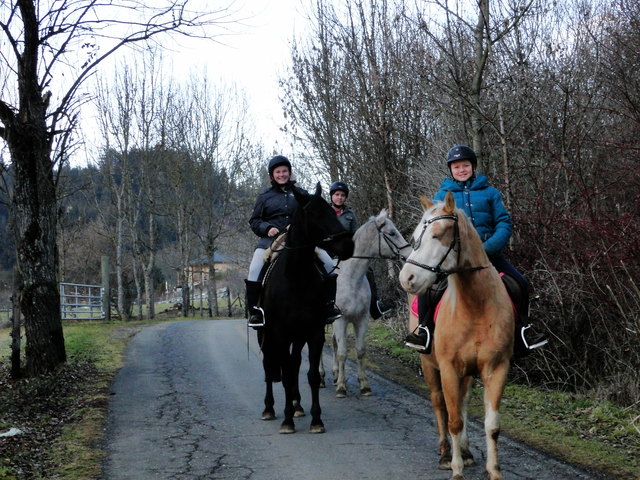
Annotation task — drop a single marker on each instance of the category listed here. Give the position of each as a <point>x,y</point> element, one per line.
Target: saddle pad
<point>414,309</point>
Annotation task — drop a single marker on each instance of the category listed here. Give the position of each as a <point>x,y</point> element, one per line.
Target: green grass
<point>77,451</point>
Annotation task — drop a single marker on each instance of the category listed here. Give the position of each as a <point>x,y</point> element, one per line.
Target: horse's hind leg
<point>467,456</point>
<point>322,374</point>
<point>361,351</point>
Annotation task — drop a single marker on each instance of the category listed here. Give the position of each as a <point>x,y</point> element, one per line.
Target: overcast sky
<point>254,57</point>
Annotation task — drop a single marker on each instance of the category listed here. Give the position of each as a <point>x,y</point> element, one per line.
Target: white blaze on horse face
<point>432,243</point>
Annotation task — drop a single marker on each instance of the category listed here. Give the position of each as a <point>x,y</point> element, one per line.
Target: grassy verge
<point>62,415</point>
<point>598,436</point>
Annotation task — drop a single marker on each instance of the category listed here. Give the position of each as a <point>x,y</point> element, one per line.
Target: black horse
<point>294,304</point>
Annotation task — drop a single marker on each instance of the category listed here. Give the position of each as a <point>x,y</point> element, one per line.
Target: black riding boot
<point>421,338</point>
<point>332,312</point>
<point>377,307</point>
<point>256,314</point>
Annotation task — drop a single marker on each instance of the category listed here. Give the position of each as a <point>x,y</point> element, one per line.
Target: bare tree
<point>43,45</point>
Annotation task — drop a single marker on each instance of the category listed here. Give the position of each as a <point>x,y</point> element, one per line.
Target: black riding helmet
<point>338,185</point>
<point>461,152</point>
<point>278,161</point>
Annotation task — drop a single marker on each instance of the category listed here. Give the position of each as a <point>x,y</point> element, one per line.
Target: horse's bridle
<point>395,248</point>
<point>452,247</point>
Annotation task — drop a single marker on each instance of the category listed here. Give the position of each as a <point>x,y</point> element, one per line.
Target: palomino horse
<point>378,238</point>
<point>294,304</point>
<point>474,329</point>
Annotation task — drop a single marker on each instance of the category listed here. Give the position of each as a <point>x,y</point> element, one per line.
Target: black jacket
<point>273,208</point>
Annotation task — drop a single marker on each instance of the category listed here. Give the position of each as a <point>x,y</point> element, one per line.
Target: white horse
<point>378,238</point>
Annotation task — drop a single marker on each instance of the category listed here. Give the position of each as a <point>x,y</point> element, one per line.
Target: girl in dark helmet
<point>483,204</point>
<point>271,216</point>
<point>339,191</point>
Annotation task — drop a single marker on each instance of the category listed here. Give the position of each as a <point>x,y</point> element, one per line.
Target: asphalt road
<point>187,406</point>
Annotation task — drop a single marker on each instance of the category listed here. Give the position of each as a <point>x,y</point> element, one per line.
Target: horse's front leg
<point>289,385</point>
<point>432,379</point>
<point>323,374</point>
<point>453,388</point>
<point>361,351</point>
<point>340,356</point>
<point>268,413</point>
<point>494,382</point>
<point>313,376</point>
<point>296,360</point>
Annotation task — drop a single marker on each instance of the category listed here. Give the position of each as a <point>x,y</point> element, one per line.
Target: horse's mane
<point>371,220</point>
<point>469,236</point>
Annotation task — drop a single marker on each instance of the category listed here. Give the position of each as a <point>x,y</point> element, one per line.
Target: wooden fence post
<point>106,294</point>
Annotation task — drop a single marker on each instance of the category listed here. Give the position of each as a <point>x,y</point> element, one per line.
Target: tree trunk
<point>16,317</point>
<point>35,208</point>
<point>148,270</point>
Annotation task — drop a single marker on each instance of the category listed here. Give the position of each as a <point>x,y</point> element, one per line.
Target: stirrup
<point>255,324</point>
<point>417,346</point>
<point>334,314</point>
<point>539,344</point>
<point>383,309</point>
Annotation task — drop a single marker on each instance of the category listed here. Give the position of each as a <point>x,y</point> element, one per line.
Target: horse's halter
<point>455,241</point>
<point>395,248</point>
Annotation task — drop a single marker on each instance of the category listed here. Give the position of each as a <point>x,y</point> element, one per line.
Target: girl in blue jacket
<point>483,204</point>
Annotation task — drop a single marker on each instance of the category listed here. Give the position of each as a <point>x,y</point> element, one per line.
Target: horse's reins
<point>392,245</point>
<point>454,241</point>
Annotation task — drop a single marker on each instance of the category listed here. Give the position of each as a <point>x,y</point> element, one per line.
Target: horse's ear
<point>318,189</point>
<point>426,203</point>
<point>449,203</point>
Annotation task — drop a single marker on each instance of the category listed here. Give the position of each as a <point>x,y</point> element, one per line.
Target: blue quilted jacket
<point>483,204</point>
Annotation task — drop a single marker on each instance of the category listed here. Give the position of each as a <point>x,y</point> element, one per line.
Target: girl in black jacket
<point>271,216</point>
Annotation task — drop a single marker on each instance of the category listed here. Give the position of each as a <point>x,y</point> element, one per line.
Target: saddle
<point>436,291</point>
<point>271,253</point>
<point>515,291</point>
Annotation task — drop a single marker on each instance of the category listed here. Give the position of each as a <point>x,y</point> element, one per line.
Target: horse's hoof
<point>468,459</point>
<point>444,464</point>
<point>266,415</point>
<point>366,392</point>
<point>299,412</point>
<point>341,392</point>
<point>457,477</point>
<point>322,384</point>
<point>319,428</point>
<point>286,428</point>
